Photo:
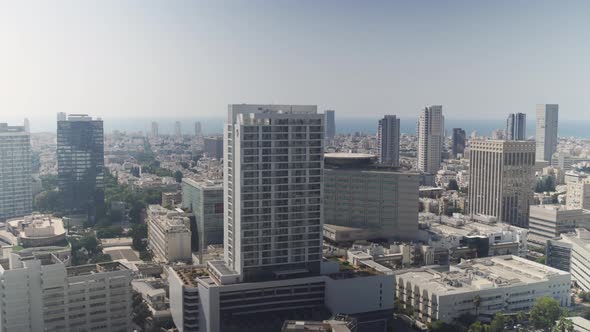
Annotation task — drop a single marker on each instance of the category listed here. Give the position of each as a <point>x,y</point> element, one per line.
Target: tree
<point>540,260</point>
<point>478,327</point>
<point>140,310</point>
<point>477,303</point>
<point>563,325</point>
<point>498,323</point>
<point>452,185</point>
<point>544,313</point>
<point>178,176</point>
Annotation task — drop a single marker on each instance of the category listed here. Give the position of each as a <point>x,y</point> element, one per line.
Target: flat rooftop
<point>90,269</point>
<point>189,274</point>
<point>479,274</point>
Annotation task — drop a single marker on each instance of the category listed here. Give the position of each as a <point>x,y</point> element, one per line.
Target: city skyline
<point>119,59</point>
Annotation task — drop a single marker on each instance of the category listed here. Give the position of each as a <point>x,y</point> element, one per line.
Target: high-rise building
<point>213,146</point>
<point>502,179</point>
<point>388,140</point>
<point>273,186</point>
<point>205,200</point>
<point>382,201</point>
<point>549,221</point>
<point>177,129</point>
<point>61,116</point>
<point>198,129</point>
<point>431,127</point>
<point>546,132</point>
<point>169,235</point>
<point>458,142</point>
<point>41,294</point>
<point>330,123</point>
<point>15,172</point>
<point>27,125</point>
<point>80,164</point>
<point>516,127</point>
<point>155,129</point>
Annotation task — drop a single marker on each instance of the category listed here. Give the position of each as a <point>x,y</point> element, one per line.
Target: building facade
<point>330,123</point>
<point>458,142</point>
<point>578,195</point>
<point>570,253</point>
<point>16,179</point>
<point>198,129</point>
<point>80,164</point>
<point>546,131</point>
<point>41,294</point>
<point>213,147</point>
<point>502,284</point>
<point>502,179</point>
<point>516,127</point>
<point>273,189</point>
<point>361,194</point>
<point>169,235</point>
<point>205,200</point>
<point>155,130</point>
<point>388,140</point>
<point>549,221</point>
<point>431,128</point>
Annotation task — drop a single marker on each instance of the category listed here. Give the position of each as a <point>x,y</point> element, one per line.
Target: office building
<point>546,131</point>
<point>198,129</point>
<point>570,253</point>
<point>549,221</point>
<point>580,324</point>
<point>502,178</point>
<point>16,178</point>
<point>177,129</point>
<point>80,164</point>
<point>458,142</point>
<point>155,130</point>
<point>503,284</point>
<point>431,129</point>
<point>213,147</point>
<point>41,294</point>
<point>360,193</point>
<point>205,200</point>
<point>61,116</point>
<point>330,123</point>
<point>578,195</point>
<point>388,140</point>
<point>516,127</point>
<point>169,235</point>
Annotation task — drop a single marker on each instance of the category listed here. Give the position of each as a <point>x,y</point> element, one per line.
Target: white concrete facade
<point>16,180</point>
<point>549,221</point>
<point>431,129</point>
<point>546,131</point>
<point>169,235</point>
<point>572,252</point>
<point>578,195</point>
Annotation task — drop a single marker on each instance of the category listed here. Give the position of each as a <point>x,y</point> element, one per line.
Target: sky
<point>189,59</point>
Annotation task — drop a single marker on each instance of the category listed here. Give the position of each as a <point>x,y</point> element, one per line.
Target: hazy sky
<point>191,58</point>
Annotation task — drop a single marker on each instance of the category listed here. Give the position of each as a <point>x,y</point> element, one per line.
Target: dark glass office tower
<point>458,142</point>
<point>80,162</point>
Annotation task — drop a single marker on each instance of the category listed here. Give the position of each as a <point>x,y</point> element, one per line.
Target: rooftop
<point>189,274</point>
<point>90,269</point>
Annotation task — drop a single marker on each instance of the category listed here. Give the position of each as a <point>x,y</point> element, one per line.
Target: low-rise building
<point>549,221</point>
<point>578,195</point>
<point>570,253</point>
<point>482,287</point>
<point>169,234</point>
<point>205,199</point>
<point>40,293</point>
<point>37,230</point>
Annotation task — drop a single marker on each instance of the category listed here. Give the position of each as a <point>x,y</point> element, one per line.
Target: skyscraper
<point>431,127</point>
<point>198,129</point>
<point>502,179</point>
<point>388,140</point>
<point>155,129</point>
<point>177,129</point>
<point>516,127</point>
<point>80,164</point>
<point>458,142</point>
<point>330,123</point>
<point>27,125</point>
<point>213,146</point>
<point>273,185</point>
<point>546,132</point>
<point>15,172</point>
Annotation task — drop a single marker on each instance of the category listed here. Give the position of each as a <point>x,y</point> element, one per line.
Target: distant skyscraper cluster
<point>516,127</point>
<point>388,140</point>
<point>431,129</point>
<point>80,161</point>
<point>546,133</point>
<point>15,172</point>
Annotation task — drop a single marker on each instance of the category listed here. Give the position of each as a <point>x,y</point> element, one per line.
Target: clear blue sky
<point>115,58</point>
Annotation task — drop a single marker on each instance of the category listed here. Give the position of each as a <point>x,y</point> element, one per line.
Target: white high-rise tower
<point>273,188</point>
<point>431,129</point>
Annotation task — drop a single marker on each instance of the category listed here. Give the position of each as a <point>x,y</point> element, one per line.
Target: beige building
<point>37,230</point>
<point>502,179</point>
<point>549,221</point>
<point>431,128</point>
<point>578,195</point>
<point>169,234</point>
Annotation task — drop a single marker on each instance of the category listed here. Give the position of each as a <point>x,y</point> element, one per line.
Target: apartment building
<point>169,234</point>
